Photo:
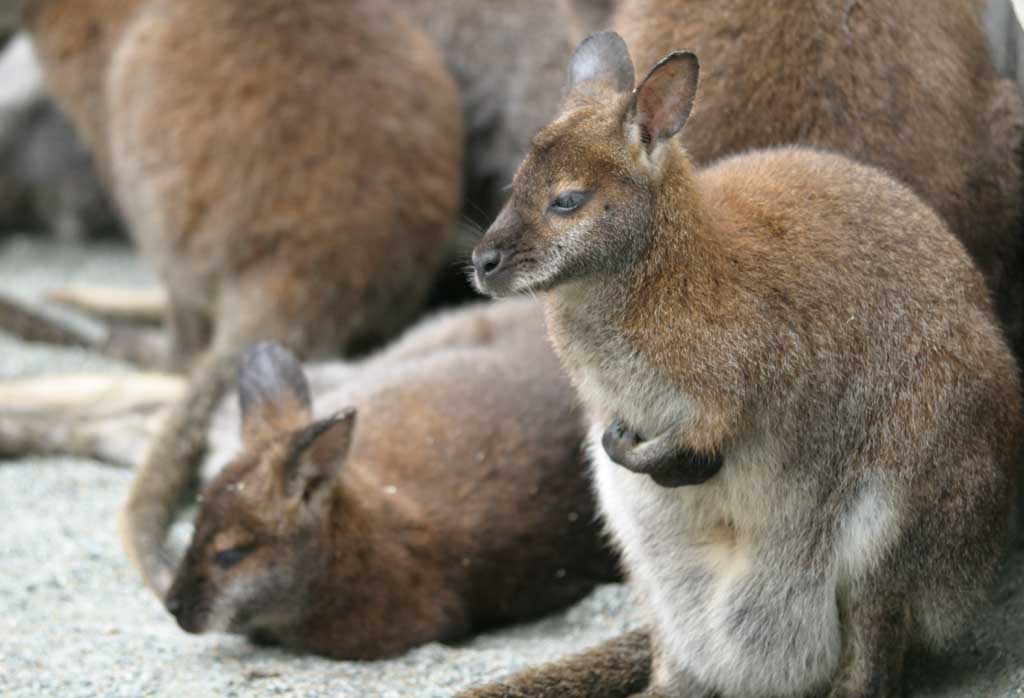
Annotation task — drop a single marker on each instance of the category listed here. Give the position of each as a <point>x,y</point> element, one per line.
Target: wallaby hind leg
<point>182,339</point>
<point>876,628</point>
<point>619,668</point>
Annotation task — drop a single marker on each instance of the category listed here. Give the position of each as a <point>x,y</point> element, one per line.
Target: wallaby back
<point>907,87</point>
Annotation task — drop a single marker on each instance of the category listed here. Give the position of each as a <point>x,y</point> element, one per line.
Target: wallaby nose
<point>173,605</point>
<point>487,262</point>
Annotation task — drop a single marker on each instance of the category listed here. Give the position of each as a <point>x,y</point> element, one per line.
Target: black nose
<point>173,605</point>
<point>487,261</point>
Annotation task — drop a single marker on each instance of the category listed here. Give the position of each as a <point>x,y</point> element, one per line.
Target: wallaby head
<point>584,200</point>
<point>262,520</point>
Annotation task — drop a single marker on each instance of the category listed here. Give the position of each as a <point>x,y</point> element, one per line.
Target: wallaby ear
<point>601,59</point>
<point>316,456</point>
<point>663,100</point>
<point>272,389</point>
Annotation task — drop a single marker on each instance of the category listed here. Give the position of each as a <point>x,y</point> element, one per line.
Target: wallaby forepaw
<point>619,440</point>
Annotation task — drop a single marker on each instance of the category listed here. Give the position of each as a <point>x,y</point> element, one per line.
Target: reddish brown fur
<point>290,169</point>
<point>811,328</point>
<point>463,501</point>
<point>905,86</point>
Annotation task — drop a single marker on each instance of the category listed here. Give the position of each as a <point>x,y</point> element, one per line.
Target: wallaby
<point>463,502</point>
<point>290,169</point>
<point>508,59</point>
<point>439,490</point>
<point>905,86</point>
<point>804,416</point>
<point>46,176</point>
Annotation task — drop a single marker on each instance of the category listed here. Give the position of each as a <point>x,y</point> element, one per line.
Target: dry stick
<point>88,395</point>
<point>618,668</point>
<point>171,468</point>
<point>135,305</point>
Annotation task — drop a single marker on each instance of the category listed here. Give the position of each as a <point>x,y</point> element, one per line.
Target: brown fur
<point>290,169</point>
<point>905,86</point>
<point>618,668</point>
<point>802,341</point>
<point>462,502</point>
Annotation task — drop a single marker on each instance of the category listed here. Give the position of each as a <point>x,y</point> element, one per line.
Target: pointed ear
<point>601,59</point>
<point>316,456</point>
<point>272,389</point>
<point>662,102</point>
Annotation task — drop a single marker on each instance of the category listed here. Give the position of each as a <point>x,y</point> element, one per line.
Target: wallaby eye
<point>569,201</point>
<point>226,559</point>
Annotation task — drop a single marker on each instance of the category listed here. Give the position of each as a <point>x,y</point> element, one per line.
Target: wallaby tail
<point>171,468</point>
<point>619,668</point>
<point>33,326</point>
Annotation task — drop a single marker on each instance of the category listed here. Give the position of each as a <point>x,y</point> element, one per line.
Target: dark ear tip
<point>603,55</point>
<point>679,56</point>
<point>266,352</point>
<point>605,38</point>
<point>266,370</point>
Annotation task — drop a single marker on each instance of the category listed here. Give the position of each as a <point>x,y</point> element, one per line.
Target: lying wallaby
<point>46,176</point>
<point>804,415</point>
<point>290,169</point>
<point>439,490</point>
<point>903,85</point>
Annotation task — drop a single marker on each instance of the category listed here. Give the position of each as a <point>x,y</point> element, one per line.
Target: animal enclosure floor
<point>75,620</point>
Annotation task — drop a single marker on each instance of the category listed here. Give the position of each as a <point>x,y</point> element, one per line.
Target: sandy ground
<point>75,620</point>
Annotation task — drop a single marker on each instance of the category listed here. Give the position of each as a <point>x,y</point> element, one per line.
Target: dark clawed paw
<point>688,468</point>
<point>618,440</point>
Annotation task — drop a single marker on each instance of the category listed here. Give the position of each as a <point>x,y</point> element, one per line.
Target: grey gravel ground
<point>75,621</point>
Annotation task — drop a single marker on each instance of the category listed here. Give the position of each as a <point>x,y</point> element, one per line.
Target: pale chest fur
<point>736,595</point>
<point>729,604</point>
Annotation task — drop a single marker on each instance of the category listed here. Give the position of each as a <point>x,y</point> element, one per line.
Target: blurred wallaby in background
<point>291,170</point>
<point>46,176</point>
<point>509,60</point>
<point>907,87</point>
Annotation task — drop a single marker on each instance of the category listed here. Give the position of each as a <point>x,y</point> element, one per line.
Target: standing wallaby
<point>906,86</point>
<point>290,169</point>
<point>439,490</point>
<point>804,415</point>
